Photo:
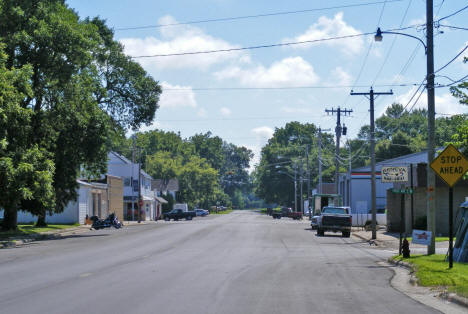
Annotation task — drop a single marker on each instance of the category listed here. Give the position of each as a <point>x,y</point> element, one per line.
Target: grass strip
<point>437,239</point>
<point>31,229</point>
<point>433,271</point>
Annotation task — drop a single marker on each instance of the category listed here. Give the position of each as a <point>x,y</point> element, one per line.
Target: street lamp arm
<point>378,36</point>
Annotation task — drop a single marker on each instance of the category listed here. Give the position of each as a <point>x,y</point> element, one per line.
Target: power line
<point>453,59</point>
<point>365,58</point>
<point>393,43</point>
<point>454,13</point>
<point>224,19</point>
<point>286,87</point>
<point>262,46</point>
<point>251,47</point>
<point>455,27</point>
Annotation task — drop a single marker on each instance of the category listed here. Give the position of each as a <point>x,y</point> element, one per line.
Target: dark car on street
<point>177,214</point>
<point>286,212</point>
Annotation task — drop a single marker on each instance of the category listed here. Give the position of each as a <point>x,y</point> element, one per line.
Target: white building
<point>134,182</point>
<point>92,200</point>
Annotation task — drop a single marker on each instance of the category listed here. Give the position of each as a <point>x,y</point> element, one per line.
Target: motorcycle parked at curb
<point>110,221</point>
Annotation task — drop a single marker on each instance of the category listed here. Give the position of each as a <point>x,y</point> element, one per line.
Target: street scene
<point>225,156</point>
<point>255,265</point>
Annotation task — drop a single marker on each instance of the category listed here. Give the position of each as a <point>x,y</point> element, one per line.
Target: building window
<point>127,181</point>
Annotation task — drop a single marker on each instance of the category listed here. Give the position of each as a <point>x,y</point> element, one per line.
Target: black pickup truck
<point>336,219</point>
<point>177,214</point>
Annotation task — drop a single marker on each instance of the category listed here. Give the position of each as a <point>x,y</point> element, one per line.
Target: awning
<point>160,200</point>
<point>147,198</point>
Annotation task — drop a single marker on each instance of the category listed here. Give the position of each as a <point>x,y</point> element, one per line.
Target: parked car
<point>336,219</point>
<point>201,212</point>
<point>286,212</point>
<point>314,221</point>
<point>177,214</point>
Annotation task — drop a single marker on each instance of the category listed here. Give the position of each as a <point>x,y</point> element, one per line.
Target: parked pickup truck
<point>336,219</point>
<point>286,212</point>
<point>177,214</point>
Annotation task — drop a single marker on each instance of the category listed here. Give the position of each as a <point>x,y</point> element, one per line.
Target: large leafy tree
<point>234,176</point>
<point>400,132</point>
<point>25,170</point>
<point>460,138</point>
<point>209,147</point>
<point>284,155</point>
<point>198,181</point>
<point>83,88</point>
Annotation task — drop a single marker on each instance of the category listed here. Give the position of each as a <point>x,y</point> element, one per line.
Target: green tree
<point>25,170</point>
<point>209,147</point>
<point>284,155</point>
<point>84,89</point>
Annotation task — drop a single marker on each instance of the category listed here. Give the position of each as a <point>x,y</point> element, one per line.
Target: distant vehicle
<point>336,219</point>
<point>181,206</point>
<point>201,212</point>
<point>286,212</point>
<point>177,214</point>
<point>314,221</point>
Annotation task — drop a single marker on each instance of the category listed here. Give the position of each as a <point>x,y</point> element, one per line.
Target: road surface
<point>243,262</point>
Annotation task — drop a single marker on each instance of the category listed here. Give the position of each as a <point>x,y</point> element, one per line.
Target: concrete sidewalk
<point>391,241</point>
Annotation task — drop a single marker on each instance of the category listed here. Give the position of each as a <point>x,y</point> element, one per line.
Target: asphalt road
<point>243,262</point>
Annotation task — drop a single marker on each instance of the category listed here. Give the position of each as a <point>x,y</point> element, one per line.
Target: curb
<point>451,297</point>
<point>57,235</point>
<point>41,236</point>
<point>371,242</point>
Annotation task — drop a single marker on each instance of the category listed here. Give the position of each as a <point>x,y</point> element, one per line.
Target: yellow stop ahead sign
<point>450,165</point>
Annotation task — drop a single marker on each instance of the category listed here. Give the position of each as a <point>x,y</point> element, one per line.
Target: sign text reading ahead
<point>450,165</point>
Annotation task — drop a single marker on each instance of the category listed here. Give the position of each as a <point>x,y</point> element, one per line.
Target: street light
<point>378,37</point>
<point>429,47</point>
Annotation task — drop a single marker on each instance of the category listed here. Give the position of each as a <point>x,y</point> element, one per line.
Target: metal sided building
<point>355,187</point>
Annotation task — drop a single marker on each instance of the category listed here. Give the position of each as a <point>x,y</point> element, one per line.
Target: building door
<point>99,205</point>
<point>94,206</point>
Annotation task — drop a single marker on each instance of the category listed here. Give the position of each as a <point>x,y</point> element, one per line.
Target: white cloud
<point>263,132</point>
<point>444,103</point>
<point>179,39</point>
<point>297,109</point>
<point>185,97</point>
<point>341,77</point>
<point>226,112</point>
<point>293,71</point>
<point>326,28</point>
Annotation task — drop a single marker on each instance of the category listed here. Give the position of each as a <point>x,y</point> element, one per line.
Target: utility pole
<point>140,200</point>
<point>320,160</point>
<point>349,175</point>
<point>431,217</point>
<point>371,95</point>
<point>338,130</point>
<point>133,182</point>
<point>295,187</point>
<point>301,172</point>
<point>308,181</point>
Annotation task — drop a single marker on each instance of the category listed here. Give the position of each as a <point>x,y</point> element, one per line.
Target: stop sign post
<point>450,166</point>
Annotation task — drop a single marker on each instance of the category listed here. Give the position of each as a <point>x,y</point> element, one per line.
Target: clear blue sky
<point>249,116</point>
